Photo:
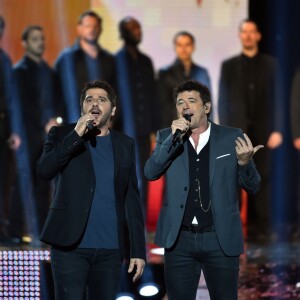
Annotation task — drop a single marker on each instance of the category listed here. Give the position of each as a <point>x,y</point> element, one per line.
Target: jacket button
<point>92,190</point>
<point>185,188</point>
<point>181,206</point>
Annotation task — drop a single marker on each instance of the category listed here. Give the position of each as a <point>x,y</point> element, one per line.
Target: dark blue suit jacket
<point>66,157</point>
<point>225,177</point>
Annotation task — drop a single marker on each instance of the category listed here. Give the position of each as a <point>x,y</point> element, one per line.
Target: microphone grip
<point>178,132</point>
<point>176,136</point>
<point>90,125</point>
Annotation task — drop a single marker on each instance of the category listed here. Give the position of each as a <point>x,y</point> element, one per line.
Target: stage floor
<point>268,271</point>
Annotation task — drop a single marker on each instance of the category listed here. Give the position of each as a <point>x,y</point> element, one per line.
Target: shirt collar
<point>203,139</point>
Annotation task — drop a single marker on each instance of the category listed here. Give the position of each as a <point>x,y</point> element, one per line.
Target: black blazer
<point>295,104</point>
<point>66,157</point>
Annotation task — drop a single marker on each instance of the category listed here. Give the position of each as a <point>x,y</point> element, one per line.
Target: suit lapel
<point>185,155</point>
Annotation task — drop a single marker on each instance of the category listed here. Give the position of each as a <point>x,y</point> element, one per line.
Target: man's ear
<point>207,107</point>
<point>113,111</point>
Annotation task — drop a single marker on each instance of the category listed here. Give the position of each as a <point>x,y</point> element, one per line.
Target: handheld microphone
<point>90,125</point>
<point>178,132</point>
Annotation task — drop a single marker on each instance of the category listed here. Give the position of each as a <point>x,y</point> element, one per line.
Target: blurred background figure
<point>295,126</point>
<point>85,61</point>
<point>137,94</point>
<point>295,109</point>
<point>181,69</point>
<point>6,88</point>
<point>34,114</point>
<point>248,90</point>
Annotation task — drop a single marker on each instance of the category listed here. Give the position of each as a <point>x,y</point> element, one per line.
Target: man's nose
<point>186,105</point>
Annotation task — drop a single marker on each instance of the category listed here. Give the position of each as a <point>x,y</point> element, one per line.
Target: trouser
<point>192,253</point>
<point>95,272</point>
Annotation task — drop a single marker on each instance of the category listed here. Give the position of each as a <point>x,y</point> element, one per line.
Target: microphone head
<point>188,117</point>
<point>90,125</point>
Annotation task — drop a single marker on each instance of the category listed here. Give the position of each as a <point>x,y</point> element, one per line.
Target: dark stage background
<point>280,25</point>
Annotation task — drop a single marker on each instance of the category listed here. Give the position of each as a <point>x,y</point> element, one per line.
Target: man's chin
<point>91,41</point>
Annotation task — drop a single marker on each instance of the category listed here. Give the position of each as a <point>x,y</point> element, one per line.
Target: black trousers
<point>193,253</point>
<point>80,272</point>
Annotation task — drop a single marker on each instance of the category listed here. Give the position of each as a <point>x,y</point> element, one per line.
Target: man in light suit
<point>95,219</point>
<point>199,224</point>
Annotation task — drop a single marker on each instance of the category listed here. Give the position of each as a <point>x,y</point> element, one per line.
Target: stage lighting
<point>158,251</point>
<point>148,290</point>
<point>125,296</point>
<point>59,120</point>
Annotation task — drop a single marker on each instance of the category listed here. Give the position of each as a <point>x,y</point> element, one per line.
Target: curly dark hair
<point>99,84</point>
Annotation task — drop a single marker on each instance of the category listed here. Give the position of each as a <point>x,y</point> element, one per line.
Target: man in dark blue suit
<point>6,157</point>
<point>33,114</point>
<point>95,219</point>
<point>199,224</point>
<point>183,68</point>
<point>85,61</point>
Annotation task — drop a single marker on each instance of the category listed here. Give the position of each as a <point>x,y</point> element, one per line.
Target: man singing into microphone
<point>199,224</point>
<point>95,219</point>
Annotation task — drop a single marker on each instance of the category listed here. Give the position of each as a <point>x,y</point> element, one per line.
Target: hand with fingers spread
<point>245,150</point>
<point>139,264</point>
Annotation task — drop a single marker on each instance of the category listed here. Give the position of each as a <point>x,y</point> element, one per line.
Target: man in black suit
<point>248,99</point>
<point>199,224</point>
<point>95,219</point>
<point>136,87</point>
<point>295,109</point>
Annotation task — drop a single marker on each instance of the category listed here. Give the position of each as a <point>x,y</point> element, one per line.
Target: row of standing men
<point>32,95</point>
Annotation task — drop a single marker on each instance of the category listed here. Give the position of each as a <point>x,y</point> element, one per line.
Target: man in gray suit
<point>199,225</point>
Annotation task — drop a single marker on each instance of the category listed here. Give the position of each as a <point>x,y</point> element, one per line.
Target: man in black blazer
<point>249,95</point>
<point>95,219</point>
<point>199,224</point>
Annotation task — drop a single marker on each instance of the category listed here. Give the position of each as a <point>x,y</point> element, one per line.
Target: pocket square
<point>223,155</point>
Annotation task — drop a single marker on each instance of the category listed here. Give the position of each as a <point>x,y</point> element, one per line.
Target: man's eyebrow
<point>180,99</point>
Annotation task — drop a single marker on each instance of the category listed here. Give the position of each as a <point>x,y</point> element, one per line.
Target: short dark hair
<point>89,13</point>
<point>248,20</point>
<point>28,30</point>
<point>193,85</point>
<point>2,24</point>
<point>180,33</point>
<point>99,84</point>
